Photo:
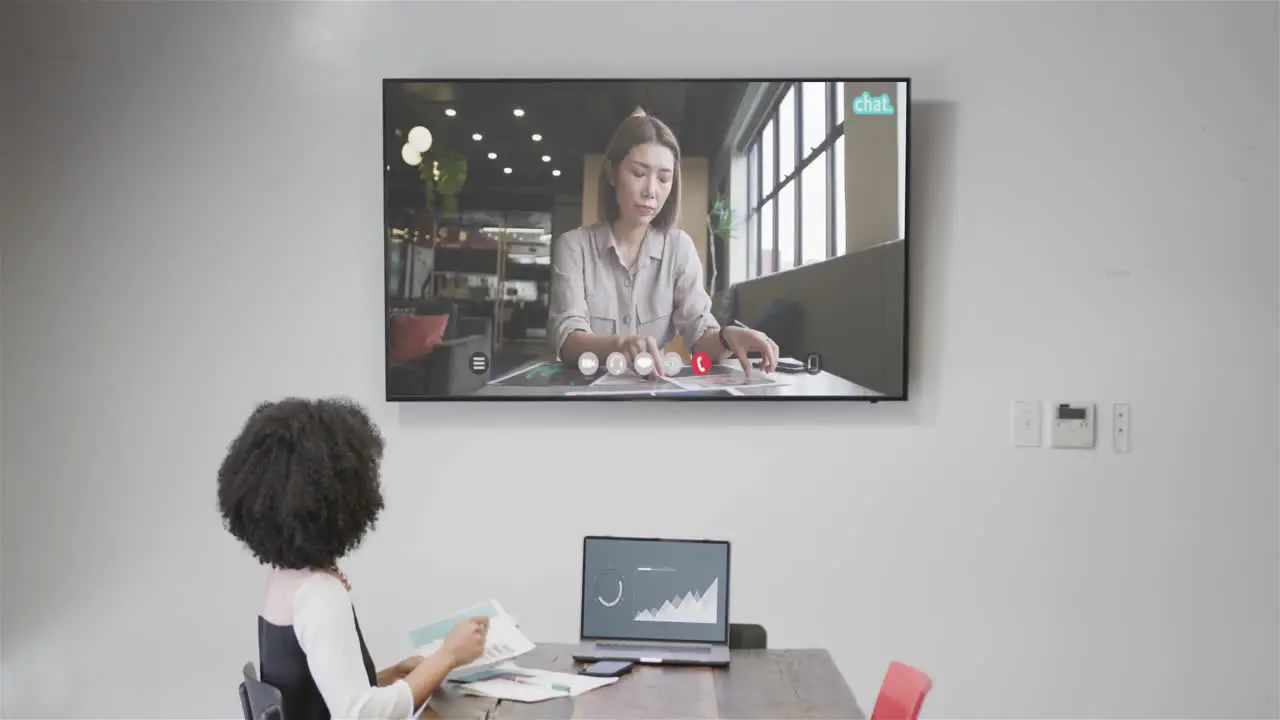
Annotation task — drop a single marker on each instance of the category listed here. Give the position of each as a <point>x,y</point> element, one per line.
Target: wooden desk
<point>759,684</point>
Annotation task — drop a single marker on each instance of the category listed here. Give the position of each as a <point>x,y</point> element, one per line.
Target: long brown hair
<point>639,129</point>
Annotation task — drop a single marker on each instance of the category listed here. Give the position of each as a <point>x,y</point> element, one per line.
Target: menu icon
<point>479,363</point>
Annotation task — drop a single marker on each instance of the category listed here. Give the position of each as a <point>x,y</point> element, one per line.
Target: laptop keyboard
<point>695,649</point>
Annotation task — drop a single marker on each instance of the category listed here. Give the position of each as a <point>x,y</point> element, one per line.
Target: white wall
<point>1093,218</point>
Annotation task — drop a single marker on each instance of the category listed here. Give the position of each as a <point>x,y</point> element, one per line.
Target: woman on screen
<point>633,280</point>
<point>299,486</point>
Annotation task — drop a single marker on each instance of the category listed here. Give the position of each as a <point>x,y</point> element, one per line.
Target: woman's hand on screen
<point>742,341</point>
<point>633,345</point>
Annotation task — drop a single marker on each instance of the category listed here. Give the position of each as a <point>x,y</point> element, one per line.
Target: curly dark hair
<point>299,485</point>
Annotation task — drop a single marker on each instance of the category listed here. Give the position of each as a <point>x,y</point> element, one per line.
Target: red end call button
<point>701,363</point>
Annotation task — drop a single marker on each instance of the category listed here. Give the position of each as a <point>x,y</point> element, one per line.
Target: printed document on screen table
<point>504,641</point>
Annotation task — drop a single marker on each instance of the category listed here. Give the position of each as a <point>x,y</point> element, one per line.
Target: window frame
<point>766,190</point>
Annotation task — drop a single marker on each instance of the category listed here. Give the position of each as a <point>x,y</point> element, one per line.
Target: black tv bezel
<point>728,586</point>
<point>904,396</point>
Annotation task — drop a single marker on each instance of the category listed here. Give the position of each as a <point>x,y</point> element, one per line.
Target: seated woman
<point>299,486</point>
<point>633,280</point>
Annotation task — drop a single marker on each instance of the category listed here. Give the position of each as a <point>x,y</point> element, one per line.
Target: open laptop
<point>653,600</point>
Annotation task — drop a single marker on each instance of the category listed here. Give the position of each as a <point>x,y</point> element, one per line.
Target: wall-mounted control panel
<point>1073,425</point>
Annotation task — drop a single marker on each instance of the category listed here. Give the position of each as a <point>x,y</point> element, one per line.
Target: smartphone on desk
<point>608,668</point>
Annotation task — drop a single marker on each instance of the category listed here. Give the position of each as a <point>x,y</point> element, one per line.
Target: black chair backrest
<point>747,637</point>
<point>782,321</point>
<point>259,700</point>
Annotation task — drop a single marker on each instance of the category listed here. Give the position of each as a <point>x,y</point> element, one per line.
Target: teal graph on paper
<point>438,630</point>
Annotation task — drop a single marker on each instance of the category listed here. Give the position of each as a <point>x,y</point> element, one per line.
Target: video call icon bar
<point>672,364</point>
<point>616,364</point>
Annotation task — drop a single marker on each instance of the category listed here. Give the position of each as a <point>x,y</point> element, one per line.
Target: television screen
<point>646,239</point>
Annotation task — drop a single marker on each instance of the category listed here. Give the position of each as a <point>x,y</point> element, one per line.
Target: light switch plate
<point>1073,425</point>
<point>1026,430</point>
<point>1120,427</point>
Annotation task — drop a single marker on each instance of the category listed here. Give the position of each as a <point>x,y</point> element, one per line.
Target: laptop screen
<point>663,590</point>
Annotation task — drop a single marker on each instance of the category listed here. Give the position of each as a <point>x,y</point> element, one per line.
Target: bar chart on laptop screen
<point>674,595</point>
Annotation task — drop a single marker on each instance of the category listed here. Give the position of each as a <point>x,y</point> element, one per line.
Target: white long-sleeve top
<point>318,606</point>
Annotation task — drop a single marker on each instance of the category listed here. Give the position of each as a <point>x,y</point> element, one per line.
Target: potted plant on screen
<point>443,175</point>
<point>721,221</point>
<point>443,171</point>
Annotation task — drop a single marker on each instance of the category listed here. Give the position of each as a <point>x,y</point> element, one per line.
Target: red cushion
<point>902,693</point>
<point>413,337</point>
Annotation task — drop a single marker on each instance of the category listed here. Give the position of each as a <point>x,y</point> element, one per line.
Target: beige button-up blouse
<point>661,295</point>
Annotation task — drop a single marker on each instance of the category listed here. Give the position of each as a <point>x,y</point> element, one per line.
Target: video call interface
<point>646,239</point>
<point>655,590</point>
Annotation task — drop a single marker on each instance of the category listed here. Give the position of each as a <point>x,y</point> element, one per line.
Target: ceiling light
<point>506,170</point>
<point>493,156</point>
<point>546,158</point>
<point>410,155</point>
<point>537,137</point>
<point>477,137</point>
<point>556,173</point>
<point>518,112</point>
<point>420,139</point>
<point>450,112</point>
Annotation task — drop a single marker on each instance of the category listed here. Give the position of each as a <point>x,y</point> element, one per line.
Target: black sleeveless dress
<point>283,664</point>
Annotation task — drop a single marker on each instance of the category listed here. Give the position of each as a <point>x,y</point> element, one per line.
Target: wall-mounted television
<point>656,239</point>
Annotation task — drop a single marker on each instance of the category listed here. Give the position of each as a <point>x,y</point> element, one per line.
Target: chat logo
<point>865,104</point>
<point>701,363</point>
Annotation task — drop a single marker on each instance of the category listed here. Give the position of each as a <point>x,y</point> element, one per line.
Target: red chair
<point>902,693</point>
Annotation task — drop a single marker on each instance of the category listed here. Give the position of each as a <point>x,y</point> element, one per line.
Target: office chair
<point>259,700</point>
<point>747,637</point>
<point>902,693</point>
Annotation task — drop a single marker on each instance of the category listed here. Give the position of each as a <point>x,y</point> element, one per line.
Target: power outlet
<point>1120,427</point>
<point>1025,423</point>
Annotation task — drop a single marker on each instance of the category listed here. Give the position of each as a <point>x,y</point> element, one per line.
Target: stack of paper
<point>504,641</point>
<point>511,682</point>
